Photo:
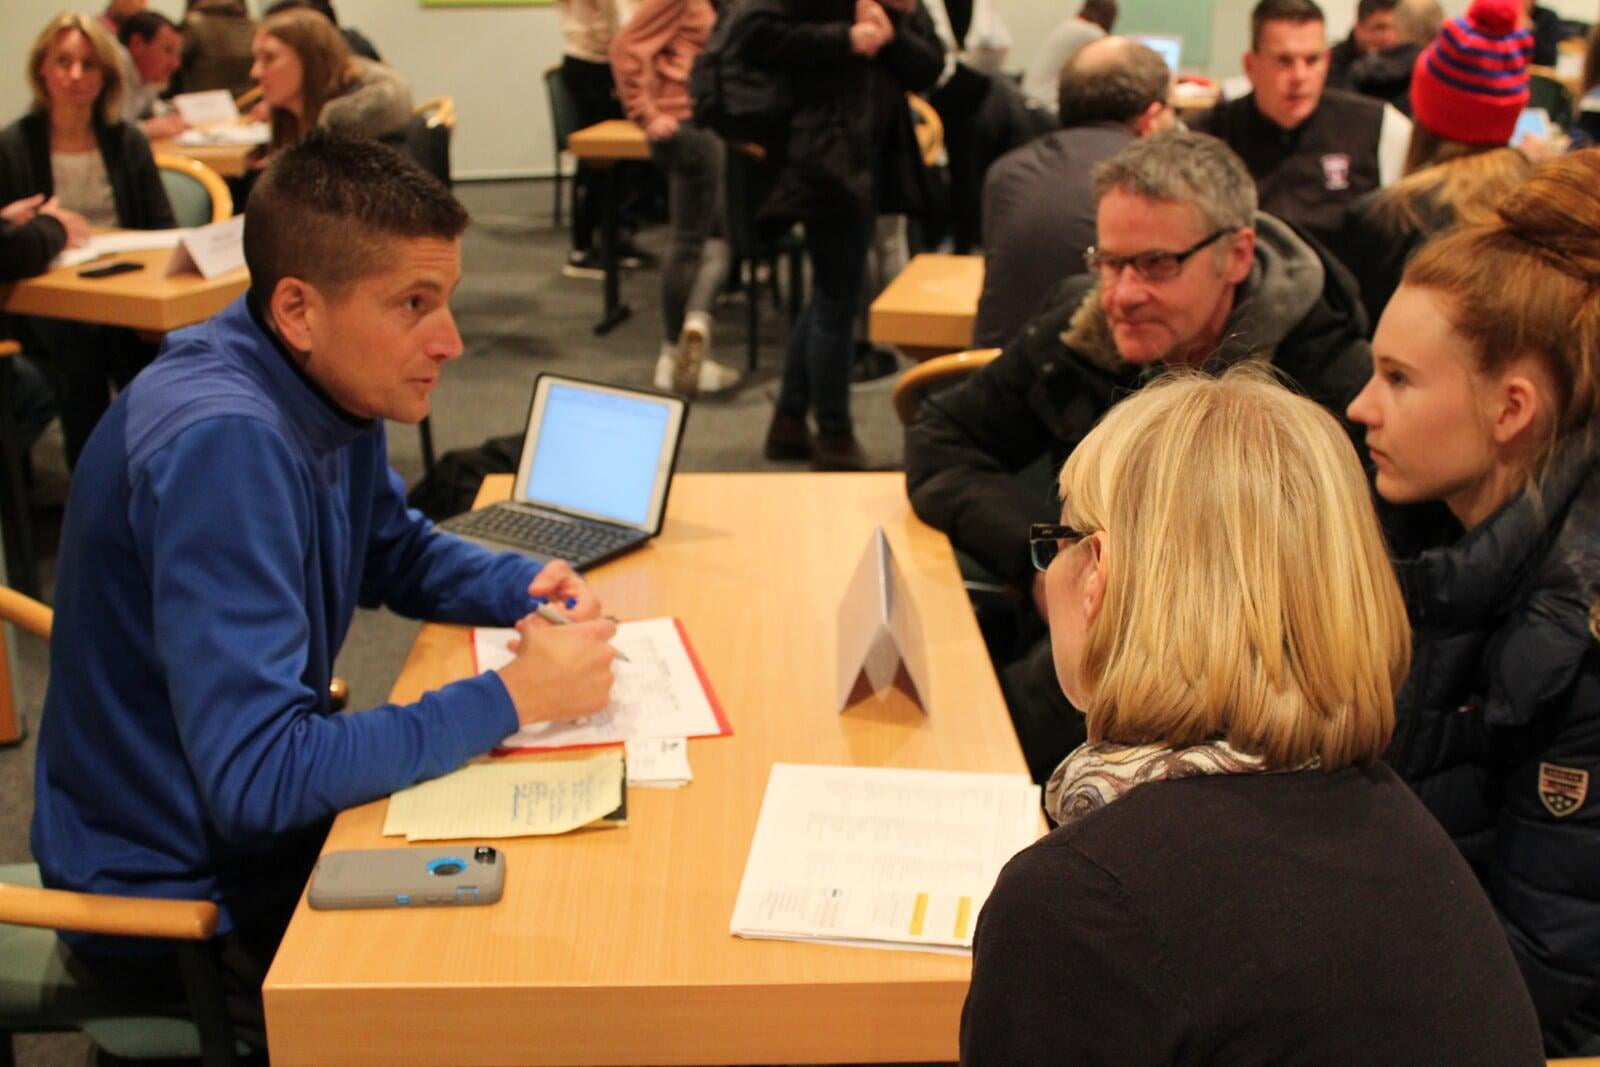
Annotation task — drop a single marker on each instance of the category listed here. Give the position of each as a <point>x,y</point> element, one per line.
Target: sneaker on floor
<point>583,264</point>
<point>664,362</point>
<point>632,257</point>
<point>713,377</point>
<point>788,438</point>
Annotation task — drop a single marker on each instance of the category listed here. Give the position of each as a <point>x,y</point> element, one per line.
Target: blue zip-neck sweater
<point>224,522</point>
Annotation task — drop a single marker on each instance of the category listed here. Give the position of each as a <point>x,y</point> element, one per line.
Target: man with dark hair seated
<point>1373,32</point>
<point>230,512</point>
<point>151,52</point>
<point>1184,271</point>
<point>1038,206</point>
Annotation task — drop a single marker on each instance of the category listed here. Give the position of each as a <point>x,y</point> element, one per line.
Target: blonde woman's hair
<point>108,105</point>
<point>1468,179</point>
<point>1248,594</point>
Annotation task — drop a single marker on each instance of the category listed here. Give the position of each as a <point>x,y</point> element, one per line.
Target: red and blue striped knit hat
<point>1471,83</point>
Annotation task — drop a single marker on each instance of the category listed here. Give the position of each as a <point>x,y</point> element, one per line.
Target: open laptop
<point>597,461</point>
<point>1168,46</point>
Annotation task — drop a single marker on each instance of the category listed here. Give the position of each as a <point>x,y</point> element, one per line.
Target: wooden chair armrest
<point>25,612</point>
<point>915,383</point>
<point>9,348</point>
<point>94,913</point>
<point>247,99</point>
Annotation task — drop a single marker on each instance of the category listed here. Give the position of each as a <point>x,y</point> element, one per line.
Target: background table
<point>228,160</point>
<point>612,947</point>
<point>604,145</point>
<point>930,307</point>
<point>141,300</point>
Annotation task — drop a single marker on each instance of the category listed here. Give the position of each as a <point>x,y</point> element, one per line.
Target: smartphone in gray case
<point>408,877</point>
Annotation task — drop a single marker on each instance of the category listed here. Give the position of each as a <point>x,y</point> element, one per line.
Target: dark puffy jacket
<point>1050,386</point>
<point>1376,244</point>
<point>1499,726</point>
<point>850,150</point>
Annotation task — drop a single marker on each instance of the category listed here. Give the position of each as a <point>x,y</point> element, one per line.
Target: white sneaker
<point>693,345</point>
<point>664,364</point>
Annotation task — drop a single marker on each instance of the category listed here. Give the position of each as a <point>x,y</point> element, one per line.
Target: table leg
<point>615,310</point>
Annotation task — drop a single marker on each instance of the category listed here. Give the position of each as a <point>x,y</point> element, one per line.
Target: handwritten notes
<point>657,693</point>
<point>508,799</point>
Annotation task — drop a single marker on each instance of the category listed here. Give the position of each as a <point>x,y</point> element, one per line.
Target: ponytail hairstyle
<point>1526,283</point>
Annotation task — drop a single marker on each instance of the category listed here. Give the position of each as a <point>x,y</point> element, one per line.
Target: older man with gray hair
<point>1184,271</point>
<point>1038,204</point>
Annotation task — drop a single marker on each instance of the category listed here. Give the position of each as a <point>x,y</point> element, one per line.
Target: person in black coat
<point>848,154</point>
<point>1485,390</point>
<point>1235,877</point>
<point>73,148</point>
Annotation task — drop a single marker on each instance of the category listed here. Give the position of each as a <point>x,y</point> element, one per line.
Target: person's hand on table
<point>76,225</point>
<point>21,212</point>
<point>562,586</point>
<point>163,126</point>
<point>561,672</point>
<point>661,128</point>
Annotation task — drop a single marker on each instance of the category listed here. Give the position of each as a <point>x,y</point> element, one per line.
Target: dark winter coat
<point>1499,724</point>
<point>1045,392</point>
<point>850,150</point>
<point>1376,246</point>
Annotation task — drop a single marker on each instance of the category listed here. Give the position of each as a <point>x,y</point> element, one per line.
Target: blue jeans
<point>816,368</point>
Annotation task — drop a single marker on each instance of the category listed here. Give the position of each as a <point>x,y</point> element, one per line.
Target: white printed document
<point>509,798</point>
<point>880,857</point>
<point>112,242</point>
<point>659,692</point>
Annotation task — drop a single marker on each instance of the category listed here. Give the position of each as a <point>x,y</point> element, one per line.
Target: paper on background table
<point>657,693</point>
<point>660,762</point>
<point>247,133</point>
<point>508,799</point>
<point>106,244</point>
<point>881,857</point>
<point>214,107</point>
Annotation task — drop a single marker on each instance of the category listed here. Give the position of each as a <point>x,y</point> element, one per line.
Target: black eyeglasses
<point>1151,266</point>
<point>1047,539</point>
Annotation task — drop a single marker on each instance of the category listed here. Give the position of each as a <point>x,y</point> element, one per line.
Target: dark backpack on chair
<point>732,95</point>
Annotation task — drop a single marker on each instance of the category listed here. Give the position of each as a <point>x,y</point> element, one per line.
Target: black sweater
<point>1254,919</point>
<point>135,183</point>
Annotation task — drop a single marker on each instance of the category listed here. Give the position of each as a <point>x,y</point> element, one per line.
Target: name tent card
<point>211,250</point>
<point>880,638</point>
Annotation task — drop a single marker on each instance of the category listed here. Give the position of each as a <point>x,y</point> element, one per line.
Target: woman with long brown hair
<point>309,78</point>
<point>1484,395</point>
<point>1467,90</point>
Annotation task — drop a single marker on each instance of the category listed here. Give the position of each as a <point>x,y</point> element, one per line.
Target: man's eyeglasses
<point>1047,539</point>
<point>1151,266</point>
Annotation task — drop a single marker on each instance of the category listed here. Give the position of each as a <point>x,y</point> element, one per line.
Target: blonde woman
<point>1235,877</point>
<point>309,79</point>
<point>73,149</point>
<point>1484,395</point>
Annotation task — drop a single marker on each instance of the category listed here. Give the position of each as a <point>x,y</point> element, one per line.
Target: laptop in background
<point>1168,46</point>
<point>597,461</point>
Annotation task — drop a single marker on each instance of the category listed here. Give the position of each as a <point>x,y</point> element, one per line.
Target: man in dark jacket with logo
<point>1311,150</point>
<point>1185,271</point>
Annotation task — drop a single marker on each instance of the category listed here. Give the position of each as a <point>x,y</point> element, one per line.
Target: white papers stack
<point>106,244</point>
<point>659,762</point>
<point>881,858</point>
<point>508,799</point>
<point>249,133</point>
<point>657,692</point>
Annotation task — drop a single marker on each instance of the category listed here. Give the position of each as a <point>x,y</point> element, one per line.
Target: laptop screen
<point>1169,47</point>
<point>601,452</point>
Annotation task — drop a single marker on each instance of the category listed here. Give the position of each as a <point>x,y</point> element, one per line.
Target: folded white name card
<point>211,250</point>
<point>880,637</point>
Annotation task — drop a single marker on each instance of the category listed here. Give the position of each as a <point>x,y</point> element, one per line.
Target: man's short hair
<point>1118,82</point>
<point>327,208</point>
<point>1295,11</point>
<point>144,25</point>
<point>1102,13</point>
<point>1249,595</point>
<point>1181,166</point>
<point>1368,8</point>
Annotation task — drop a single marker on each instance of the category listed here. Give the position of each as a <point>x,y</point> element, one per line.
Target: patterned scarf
<point>1094,775</point>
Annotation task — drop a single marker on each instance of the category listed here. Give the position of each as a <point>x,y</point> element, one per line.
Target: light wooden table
<point>604,145</point>
<point>612,947</point>
<point>930,307</point>
<point>228,160</point>
<point>140,300</point>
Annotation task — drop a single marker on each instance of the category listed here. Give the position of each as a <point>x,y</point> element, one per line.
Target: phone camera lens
<point>484,854</point>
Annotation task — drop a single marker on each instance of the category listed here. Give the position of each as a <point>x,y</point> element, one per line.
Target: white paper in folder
<point>880,857</point>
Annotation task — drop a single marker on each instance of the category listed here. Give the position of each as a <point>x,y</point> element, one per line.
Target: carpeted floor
<point>518,316</point>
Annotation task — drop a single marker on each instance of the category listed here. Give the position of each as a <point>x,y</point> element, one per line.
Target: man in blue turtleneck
<point>226,518</point>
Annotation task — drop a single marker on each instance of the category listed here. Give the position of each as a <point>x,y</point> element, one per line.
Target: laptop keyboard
<point>548,536</point>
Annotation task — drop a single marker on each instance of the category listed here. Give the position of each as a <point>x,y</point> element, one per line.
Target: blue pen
<point>552,614</point>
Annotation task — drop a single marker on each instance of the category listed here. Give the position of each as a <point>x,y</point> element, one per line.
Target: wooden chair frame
<point>221,198</point>
<point>915,383</point>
